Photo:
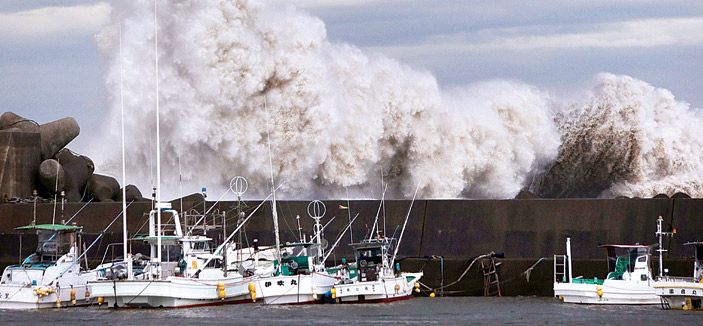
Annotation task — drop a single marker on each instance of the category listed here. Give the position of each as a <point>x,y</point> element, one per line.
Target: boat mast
<point>660,234</point>
<point>128,260</point>
<point>375,222</point>
<point>568,256</point>
<point>274,211</point>
<point>316,210</point>
<point>351,233</point>
<point>158,147</point>
<point>383,203</point>
<point>400,238</point>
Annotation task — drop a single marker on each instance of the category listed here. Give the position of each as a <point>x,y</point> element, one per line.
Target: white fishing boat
<point>374,279</point>
<point>300,276</point>
<point>185,274</point>
<point>629,279</point>
<point>375,276</point>
<point>683,292</point>
<point>51,276</point>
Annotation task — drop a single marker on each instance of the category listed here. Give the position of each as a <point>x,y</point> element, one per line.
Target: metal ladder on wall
<point>491,283</point>
<point>559,268</point>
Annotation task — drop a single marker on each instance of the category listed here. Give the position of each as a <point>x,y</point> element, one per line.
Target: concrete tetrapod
<point>56,135</point>
<point>102,187</point>
<point>52,175</point>
<point>78,169</point>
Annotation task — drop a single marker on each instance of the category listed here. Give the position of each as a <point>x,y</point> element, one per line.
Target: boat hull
<point>680,294</point>
<point>294,289</point>
<point>382,290</point>
<point>614,292</point>
<point>24,297</point>
<point>175,292</point>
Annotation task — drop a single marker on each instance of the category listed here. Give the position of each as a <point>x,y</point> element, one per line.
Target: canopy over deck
<point>51,227</point>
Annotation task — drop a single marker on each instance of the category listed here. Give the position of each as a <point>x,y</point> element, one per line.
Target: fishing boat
<point>683,292</point>
<point>50,277</point>
<point>629,279</point>
<point>300,276</point>
<point>375,277</point>
<point>183,272</point>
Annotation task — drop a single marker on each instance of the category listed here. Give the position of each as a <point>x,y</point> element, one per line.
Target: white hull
<point>686,295</point>
<point>19,286</point>
<point>382,290</point>
<point>294,289</point>
<point>24,297</point>
<point>614,292</point>
<point>174,292</point>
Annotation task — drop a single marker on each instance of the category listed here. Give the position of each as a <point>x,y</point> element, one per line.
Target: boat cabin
<point>53,241</point>
<point>299,258</point>
<point>629,262</point>
<point>56,243</point>
<point>196,252</point>
<point>372,256</point>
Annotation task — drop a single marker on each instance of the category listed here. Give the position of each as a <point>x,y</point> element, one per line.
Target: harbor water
<point>417,311</point>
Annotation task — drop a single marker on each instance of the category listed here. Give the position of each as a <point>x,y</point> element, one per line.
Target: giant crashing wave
<point>236,75</point>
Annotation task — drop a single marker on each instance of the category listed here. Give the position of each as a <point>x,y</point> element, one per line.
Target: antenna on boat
<point>660,234</point>
<point>351,232</point>
<point>400,238</point>
<point>274,212</point>
<point>125,255</point>
<point>300,229</point>
<point>317,210</point>
<point>34,195</point>
<point>375,222</point>
<point>180,183</point>
<point>56,190</point>
<point>238,185</point>
<point>158,146</point>
<point>383,202</point>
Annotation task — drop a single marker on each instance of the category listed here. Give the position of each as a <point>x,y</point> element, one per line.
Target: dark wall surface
<point>455,229</point>
<point>528,231</point>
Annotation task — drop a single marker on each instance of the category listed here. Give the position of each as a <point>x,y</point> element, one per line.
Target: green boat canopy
<point>52,227</point>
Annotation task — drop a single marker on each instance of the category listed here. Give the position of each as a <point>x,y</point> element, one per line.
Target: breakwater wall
<point>524,230</point>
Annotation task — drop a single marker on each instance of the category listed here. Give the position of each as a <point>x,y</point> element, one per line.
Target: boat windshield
<point>53,242</point>
<point>201,245</point>
<point>215,263</point>
<point>369,256</point>
<point>619,262</point>
<point>170,253</point>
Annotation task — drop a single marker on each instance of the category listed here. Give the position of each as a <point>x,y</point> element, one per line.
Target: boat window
<point>170,253</point>
<point>642,259</point>
<point>202,245</point>
<point>298,251</point>
<point>215,263</point>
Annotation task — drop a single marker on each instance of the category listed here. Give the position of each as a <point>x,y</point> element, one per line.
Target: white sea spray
<point>232,74</point>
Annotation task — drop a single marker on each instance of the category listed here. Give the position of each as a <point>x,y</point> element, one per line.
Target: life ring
<point>363,263</point>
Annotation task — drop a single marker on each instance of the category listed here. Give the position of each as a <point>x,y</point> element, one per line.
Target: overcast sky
<point>50,67</point>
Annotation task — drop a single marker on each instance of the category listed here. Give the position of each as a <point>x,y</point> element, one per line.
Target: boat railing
<point>112,254</point>
<point>667,278</point>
